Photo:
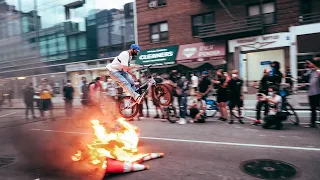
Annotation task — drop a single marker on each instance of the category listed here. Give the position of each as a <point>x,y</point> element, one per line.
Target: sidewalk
<point>298,101</point>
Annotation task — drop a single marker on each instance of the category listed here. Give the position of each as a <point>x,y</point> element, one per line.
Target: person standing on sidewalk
<point>68,92</point>
<point>183,85</point>
<point>195,82</point>
<point>314,91</point>
<point>45,103</point>
<point>84,92</point>
<point>28,94</point>
<point>222,94</point>
<point>235,95</point>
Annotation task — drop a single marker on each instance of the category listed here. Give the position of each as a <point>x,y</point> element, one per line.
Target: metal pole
<point>36,25</point>
<point>135,22</point>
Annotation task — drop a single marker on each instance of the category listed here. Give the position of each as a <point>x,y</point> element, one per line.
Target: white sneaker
<point>182,121</point>
<point>191,121</point>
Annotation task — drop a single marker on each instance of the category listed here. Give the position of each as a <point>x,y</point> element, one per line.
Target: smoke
<point>48,153</point>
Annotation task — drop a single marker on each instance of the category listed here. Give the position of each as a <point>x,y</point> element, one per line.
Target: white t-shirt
<point>195,81</point>
<point>276,107</point>
<point>124,58</point>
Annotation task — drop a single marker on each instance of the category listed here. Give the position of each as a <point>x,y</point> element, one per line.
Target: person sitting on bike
<point>274,117</point>
<point>198,109</point>
<point>235,95</point>
<point>120,69</point>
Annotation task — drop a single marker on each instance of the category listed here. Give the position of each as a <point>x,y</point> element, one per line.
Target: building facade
<point>41,38</point>
<point>254,32</point>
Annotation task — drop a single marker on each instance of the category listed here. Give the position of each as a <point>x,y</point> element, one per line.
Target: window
<point>201,19</point>
<point>159,32</point>
<point>306,6</point>
<point>267,10</point>
<point>157,3</point>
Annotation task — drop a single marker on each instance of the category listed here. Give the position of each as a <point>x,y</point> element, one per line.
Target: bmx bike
<point>128,108</point>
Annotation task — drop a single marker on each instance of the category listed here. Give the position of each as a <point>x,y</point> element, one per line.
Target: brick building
<point>250,29</point>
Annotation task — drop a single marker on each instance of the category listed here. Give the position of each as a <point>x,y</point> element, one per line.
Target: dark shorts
<point>222,96</point>
<point>194,112</point>
<point>45,104</point>
<point>235,103</point>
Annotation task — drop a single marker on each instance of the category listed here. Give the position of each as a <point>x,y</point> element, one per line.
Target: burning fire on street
<point>114,149</point>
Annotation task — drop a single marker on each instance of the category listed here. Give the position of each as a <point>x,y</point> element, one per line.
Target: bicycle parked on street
<point>213,109</point>
<point>292,116</point>
<point>128,108</point>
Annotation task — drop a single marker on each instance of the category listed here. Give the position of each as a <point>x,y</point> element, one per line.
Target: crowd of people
<point>183,85</point>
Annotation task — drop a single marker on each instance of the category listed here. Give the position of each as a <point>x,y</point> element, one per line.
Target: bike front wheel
<point>162,94</point>
<point>127,107</point>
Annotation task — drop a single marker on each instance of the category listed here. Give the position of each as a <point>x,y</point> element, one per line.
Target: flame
<point>118,143</point>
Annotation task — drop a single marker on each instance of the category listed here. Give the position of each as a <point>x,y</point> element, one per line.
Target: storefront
<point>159,57</point>
<point>254,54</point>
<point>203,56</point>
<point>305,42</point>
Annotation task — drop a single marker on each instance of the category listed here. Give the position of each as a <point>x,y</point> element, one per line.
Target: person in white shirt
<point>198,109</point>
<point>195,81</point>
<point>275,115</point>
<point>120,69</point>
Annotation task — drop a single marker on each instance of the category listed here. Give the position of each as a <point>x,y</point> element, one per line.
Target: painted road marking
<point>7,114</point>
<point>202,142</point>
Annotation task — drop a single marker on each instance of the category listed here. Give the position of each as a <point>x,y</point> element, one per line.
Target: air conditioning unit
<point>152,4</point>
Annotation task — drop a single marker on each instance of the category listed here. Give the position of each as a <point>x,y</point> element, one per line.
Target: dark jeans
<point>273,120</point>
<point>259,106</point>
<point>68,107</point>
<point>314,103</point>
<point>141,107</point>
<point>29,106</point>
<point>183,106</point>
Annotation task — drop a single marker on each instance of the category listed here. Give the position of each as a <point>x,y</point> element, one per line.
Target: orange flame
<point>120,144</point>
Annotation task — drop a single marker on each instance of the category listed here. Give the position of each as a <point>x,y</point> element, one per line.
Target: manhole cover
<point>269,169</point>
<point>5,161</point>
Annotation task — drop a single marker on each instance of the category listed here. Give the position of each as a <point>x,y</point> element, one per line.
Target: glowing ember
<point>120,144</point>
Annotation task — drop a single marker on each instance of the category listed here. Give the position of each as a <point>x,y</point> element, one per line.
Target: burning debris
<point>115,149</point>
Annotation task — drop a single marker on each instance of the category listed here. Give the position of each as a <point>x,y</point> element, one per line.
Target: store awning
<point>194,65</point>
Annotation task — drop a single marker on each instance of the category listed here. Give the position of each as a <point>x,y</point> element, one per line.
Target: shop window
<point>156,3</point>
<point>306,6</point>
<point>159,32</point>
<point>201,19</point>
<point>266,10</point>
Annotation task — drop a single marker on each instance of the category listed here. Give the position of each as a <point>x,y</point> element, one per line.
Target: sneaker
<point>222,119</point>
<point>191,121</point>
<point>157,116</point>
<point>240,121</point>
<point>182,121</point>
<point>231,122</point>
<point>310,126</point>
<point>256,123</point>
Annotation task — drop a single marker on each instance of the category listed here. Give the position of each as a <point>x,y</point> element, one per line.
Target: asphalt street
<point>213,150</point>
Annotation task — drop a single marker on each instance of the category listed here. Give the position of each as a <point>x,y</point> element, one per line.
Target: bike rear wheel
<point>292,115</point>
<point>162,94</point>
<point>127,107</point>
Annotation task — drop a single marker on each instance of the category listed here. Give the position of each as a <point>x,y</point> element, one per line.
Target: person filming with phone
<point>275,116</point>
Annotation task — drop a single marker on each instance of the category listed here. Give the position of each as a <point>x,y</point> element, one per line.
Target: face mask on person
<point>234,75</point>
<point>68,84</point>
<point>84,81</point>
<point>270,93</point>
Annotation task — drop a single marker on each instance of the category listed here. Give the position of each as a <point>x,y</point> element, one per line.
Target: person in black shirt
<point>205,85</point>
<point>222,94</point>
<point>28,94</point>
<point>235,95</point>
<point>263,89</point>
<point>275,74</point>
<point>183,85</point>
<point>68,92</point>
